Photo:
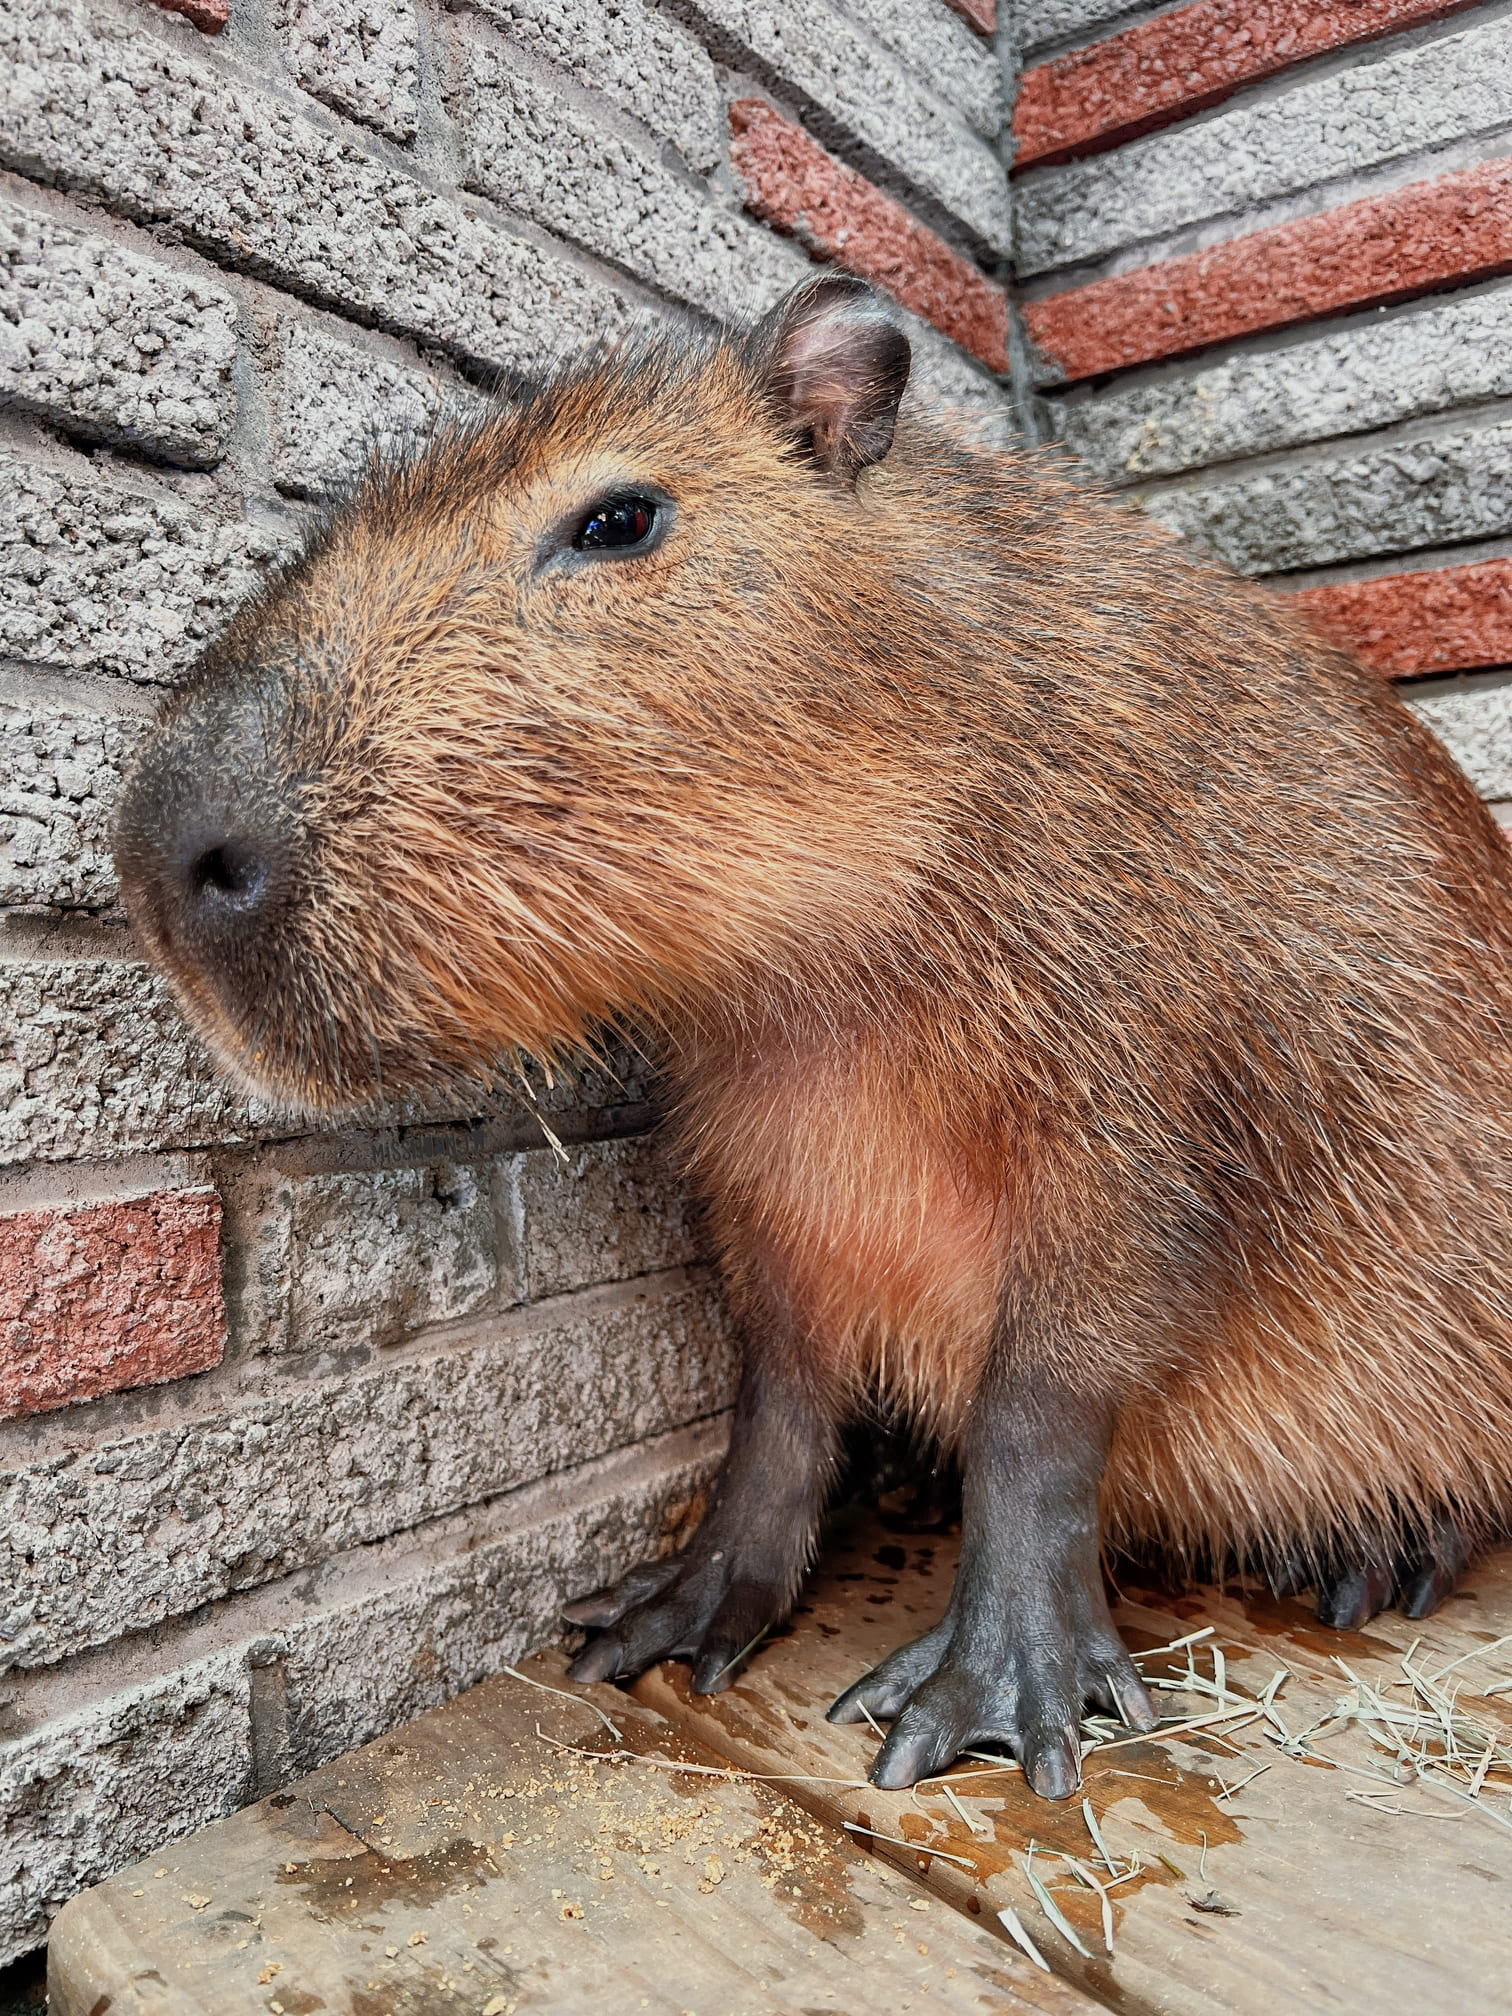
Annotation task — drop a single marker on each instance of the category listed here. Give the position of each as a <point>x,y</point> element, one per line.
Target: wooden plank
<point>1290,1894</point>
<point>468,1866</point>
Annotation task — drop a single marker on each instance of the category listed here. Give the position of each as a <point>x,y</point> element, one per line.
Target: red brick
<point>97,1297</point>
<point>1441,619</point>
<point>211,15</point>
<point>1180,63</point>
<point>982,14</point>
<point>1455,228</point>
<point>837,214</point>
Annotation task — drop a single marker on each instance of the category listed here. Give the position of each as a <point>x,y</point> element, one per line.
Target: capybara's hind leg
<point>740,1572</point>
<point>1416,1575</point>
<point>1027,1640</point>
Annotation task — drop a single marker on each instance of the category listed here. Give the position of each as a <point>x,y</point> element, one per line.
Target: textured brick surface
<point>89,1792</point>
<point>936,43</point>
<point>1436,356</point>
<point>950,388</point>
<point>93,103</point>
<point>59,767</point>
<point>640,60</point>
<point>855,88</point>
<point>117,1768</point>
<point>530,150</point>
<point>98,1297</point>
<point>111,345</point>
<point>360,56</point>
<point>95,1059</point>
<point>1041,22</point>
<point>99,577</point>
<point>372,1256</point>
<point>1350,505</point>
<point>1382,248</point>
<point>791,182</point>
<point>334,405</point>
<point>1316,132</point>
<point>1476,728</point>
<point>1182,62</point>
<point>159,1522</point>
<point>1438,619</point>
<point>614,1212</point>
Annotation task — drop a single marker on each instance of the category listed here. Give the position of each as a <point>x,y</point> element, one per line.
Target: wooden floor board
<point>1312,1900</point>
<point>474,1863</point>
<point>467,1865</point>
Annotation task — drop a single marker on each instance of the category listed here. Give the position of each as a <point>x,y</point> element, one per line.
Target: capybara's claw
<point>691,1608</point>
<point>1417,1576</point>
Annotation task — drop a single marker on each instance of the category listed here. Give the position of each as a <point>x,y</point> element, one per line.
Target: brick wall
<point>1261,251</point>
<point>299,1432</point>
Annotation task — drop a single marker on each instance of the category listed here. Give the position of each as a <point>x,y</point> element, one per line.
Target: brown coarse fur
<point>1036,925</point>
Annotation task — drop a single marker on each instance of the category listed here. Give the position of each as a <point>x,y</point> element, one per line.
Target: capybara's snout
<point>207,847</point>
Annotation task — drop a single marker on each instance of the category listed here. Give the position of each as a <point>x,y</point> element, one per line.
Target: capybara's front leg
<point>1027,1640</point>
<point>741,1570</point>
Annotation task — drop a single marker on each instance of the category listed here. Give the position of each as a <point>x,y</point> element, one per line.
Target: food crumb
<point>273,1967</point>
<point>417,1939</point>
<point>572,1910</point>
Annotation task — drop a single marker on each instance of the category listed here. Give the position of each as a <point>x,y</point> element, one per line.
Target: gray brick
<point>334,405</point>
<point>616,1211</point>
<point>1303,135</point>
<point>154,1744</point>
<point>937,46</point>
<point>97,577</point>
<point>1447,354</point>
<point>1475,726</point>
<point>117,1535</point>
<point>857,91</point>
<point>531,150</point>
<point>360,56</point>
<point>954,389</point>
<point>95,1059</point>
<point>100,102</point>
<point>59,769</point>
<point>1038,23</point>
<point>1392,499</point>
<point>87,1793</point>
<point>639,60</point>
<point>111,345</point>
<point>373,1255</point>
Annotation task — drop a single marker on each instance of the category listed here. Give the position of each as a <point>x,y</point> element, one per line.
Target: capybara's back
<point>1083,995</point>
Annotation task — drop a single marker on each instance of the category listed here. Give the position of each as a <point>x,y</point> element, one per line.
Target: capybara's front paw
<point>961,1685</point>
<point>701,1606</point>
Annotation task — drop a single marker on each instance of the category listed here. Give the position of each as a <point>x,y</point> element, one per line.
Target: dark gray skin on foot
<point>1027,1642</point>
<point>739,1573</point>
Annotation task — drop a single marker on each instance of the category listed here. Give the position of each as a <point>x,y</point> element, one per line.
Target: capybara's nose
<point>224,877</point>
<point>206,848</point>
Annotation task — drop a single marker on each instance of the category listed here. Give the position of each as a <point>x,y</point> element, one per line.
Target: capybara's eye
<point>617,521</point>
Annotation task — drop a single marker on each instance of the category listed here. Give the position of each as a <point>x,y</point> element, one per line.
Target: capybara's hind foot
<point>1416,1578</point>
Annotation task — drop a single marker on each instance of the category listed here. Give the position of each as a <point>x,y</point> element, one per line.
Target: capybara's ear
<point>835,365</point>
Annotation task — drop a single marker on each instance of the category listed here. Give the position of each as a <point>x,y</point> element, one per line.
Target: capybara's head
<point>555,722</point>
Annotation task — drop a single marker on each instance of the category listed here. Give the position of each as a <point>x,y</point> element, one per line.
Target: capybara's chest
<point>876,1233</point>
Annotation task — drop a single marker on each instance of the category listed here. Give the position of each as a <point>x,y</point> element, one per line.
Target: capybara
<point>1082,994</point>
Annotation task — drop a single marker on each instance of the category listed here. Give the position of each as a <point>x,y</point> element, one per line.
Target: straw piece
<point>1052,1910</point>
<point>1009,1919</point>
<point>562,1694</point>
<point>917,1847</point>
<point>1098,1842</point>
